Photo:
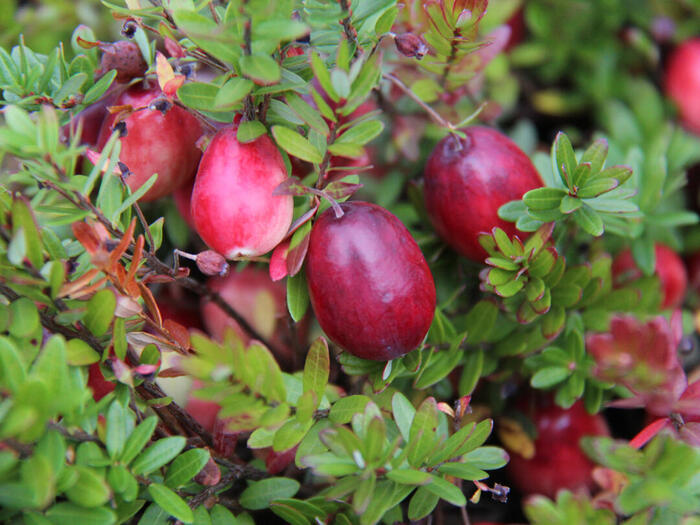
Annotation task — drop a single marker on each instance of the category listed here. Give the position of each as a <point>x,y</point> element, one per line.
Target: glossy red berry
<point>467,180</point>
<point>154,142</point>
<point>669,268</point>
<point>232,206</point>
<point>559,462</point>
<point>682,82</point>
<point>370,286</point>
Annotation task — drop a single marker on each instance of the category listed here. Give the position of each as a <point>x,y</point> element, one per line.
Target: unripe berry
<point>232,206</point>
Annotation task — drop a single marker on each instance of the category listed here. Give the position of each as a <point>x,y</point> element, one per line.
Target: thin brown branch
<point>434,114</point>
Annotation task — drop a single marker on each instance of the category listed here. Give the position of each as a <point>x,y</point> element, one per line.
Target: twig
<point>434,114</point>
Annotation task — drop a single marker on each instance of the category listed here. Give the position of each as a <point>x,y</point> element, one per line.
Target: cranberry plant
<point>400,356</point>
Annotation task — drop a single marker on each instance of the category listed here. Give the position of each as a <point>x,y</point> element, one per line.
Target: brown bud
<point>210,474</point>
<point>125,57</point>
<point>410,45</point>
<point>210,262</point>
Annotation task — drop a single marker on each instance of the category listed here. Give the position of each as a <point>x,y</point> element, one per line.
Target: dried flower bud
<point>121,128</point>
<point>410,45</point>
<point>210,474</point>
<point>160,104</point>
<point>210,262</point>
<point>125,57</point>
<point>129,29</point>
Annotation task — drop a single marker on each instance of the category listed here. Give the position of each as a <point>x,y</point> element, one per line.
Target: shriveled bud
<point>210,474</point>
<point>410,45</point>
<point>210,262</point>
<point>125,57</point>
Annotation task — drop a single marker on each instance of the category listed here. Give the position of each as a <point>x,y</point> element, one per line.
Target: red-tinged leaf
<point>291,186</point>
<point>87,237</point>
<point>178,333</point>
<point>164,70</point>
<point>172,372</point>
<point>126,307</point>
<point>303,219</point>
<point>173,48</point>
<point>145,370</point>
<point>69,288</point>
<point>341,190</point>
<point>121,371</point>
<point>87,44</point>
<point>278,261</point>
<point>298,246</point>
<point>94,156</point>
<point>158,279</point>
<point>677,326</point>
<point>151,304</point>
<point>649,431</point>
<point>121,248</point>
<point>172,85</point>
<point>136,258</point>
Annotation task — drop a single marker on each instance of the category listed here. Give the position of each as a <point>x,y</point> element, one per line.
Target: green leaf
<point>100,87</point>
<point>232,92</point>
<point>23,218</point>
<point>170,502</point>
<point>323,76</point>
<point>361,133</point>
<point>477,438</point>
<point>100,312</point>
<point>12,369</point>
<point>186,466</point>
<point>297,296</point>
<point>596,154</point>
<point>447,491</point>
<point>296,145</point>
<point>116,430</point>
<point>589,220</point>
<point>24,318</point>
<point>138,439</point>
<point>63,513</point>
<point>291,434</point>
<point>220,515</point>
<point>198,95</point>
<point>544,198</point>
<point>260,68</point>
<point>597,187</point>
<point>158,454</point>
<point>80,353</point>
<point>487,458</point>
<point>90,490</point>
<point>565,157</point>
<point>463,471</point>
<point>569,204</point>
<point>423,435</point>
<point>480,321</point>
<point>404,413</point>
<point>260,494</point>
<point>345,408</point>
<point>250,130</point>
<point>307,113</point>
<point>409,476</point>
<point>549,376</point>
<point>422,503</point>
<point>317,369</point>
